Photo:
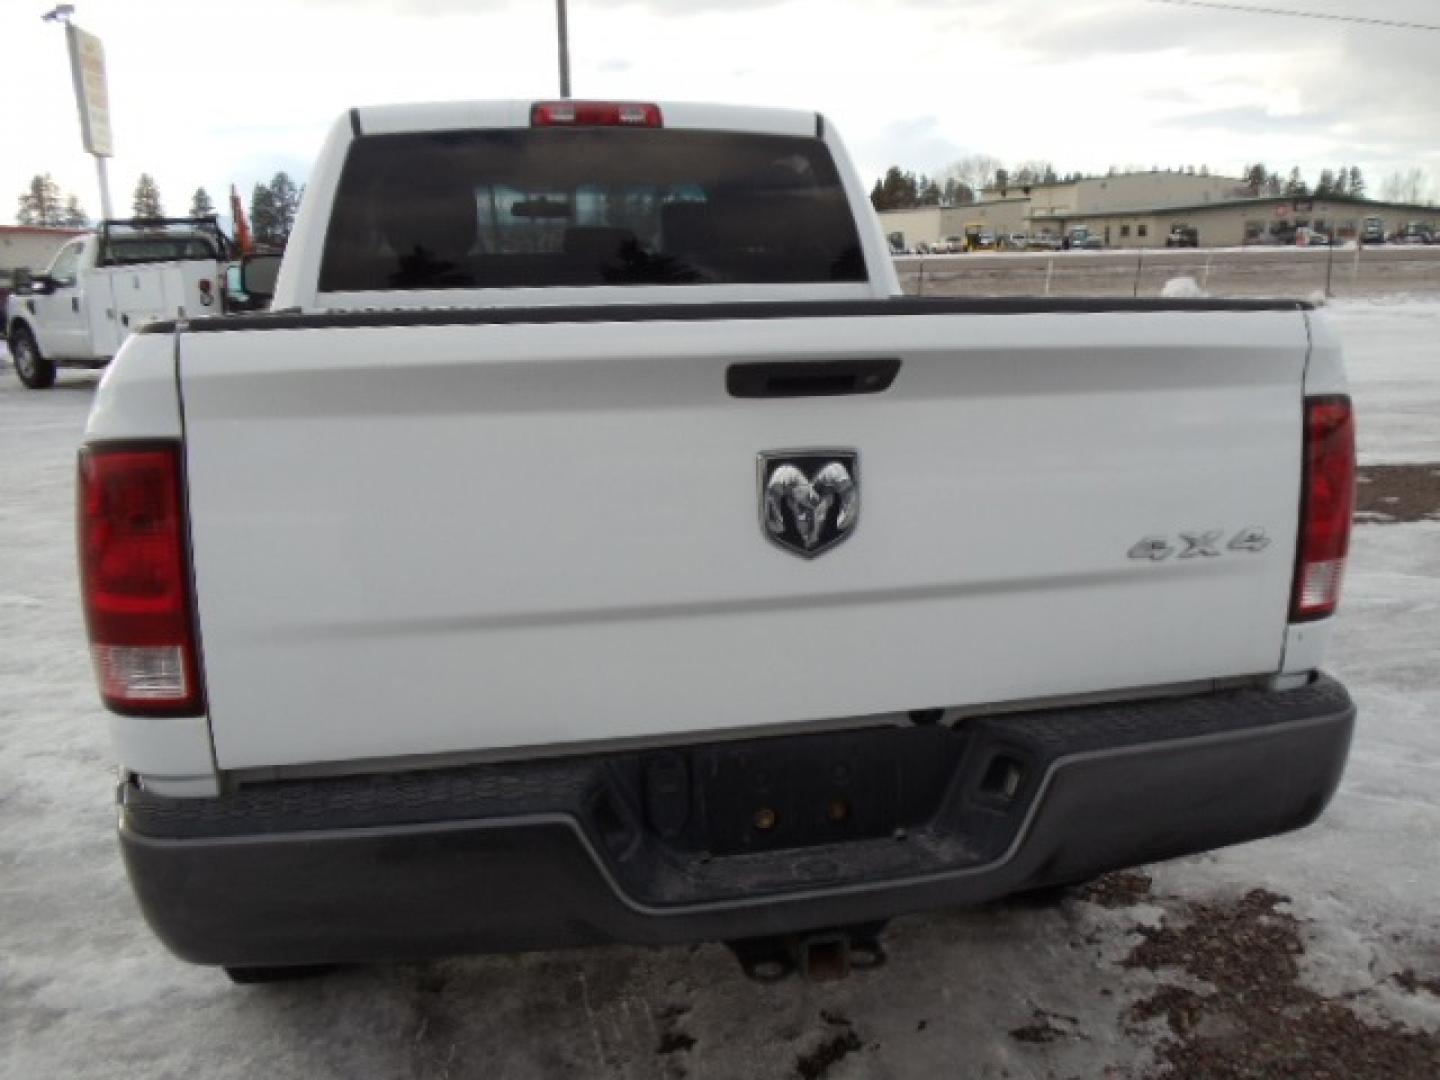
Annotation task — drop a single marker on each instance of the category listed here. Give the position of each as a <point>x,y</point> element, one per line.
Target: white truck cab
<point>103,286</point>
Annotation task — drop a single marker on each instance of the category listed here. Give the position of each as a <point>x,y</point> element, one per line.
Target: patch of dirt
<point>1260,1022</point>
<point>1047,1027</point>
<point>1408,980</point>
<point>817,1062</point>
<point>1121,889</point>
<point>1181,1007</point>
<point>673,1040</point>
<point>1389,494</point>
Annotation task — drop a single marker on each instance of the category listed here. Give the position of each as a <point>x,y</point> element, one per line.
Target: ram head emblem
<point>809,499</point>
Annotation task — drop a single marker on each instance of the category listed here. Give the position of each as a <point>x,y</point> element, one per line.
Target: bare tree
<point>1406,186</point>
<point>977,171</point>
<point>1034,171</point>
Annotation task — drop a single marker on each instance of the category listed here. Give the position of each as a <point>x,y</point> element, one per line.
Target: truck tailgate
<point>422,539</point>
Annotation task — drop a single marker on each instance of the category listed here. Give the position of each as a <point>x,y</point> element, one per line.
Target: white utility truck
<point>103,286</point>
<point>594,545</point>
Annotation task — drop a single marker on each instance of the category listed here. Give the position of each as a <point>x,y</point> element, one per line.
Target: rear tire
<point>34,370</point>
<point>258,976</point>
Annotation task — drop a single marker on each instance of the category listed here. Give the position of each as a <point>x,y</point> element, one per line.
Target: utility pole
<point>562,25</point>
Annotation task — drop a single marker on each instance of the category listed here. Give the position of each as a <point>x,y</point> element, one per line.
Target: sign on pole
<point>87,67</point>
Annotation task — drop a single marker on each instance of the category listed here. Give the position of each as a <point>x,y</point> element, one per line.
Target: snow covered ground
<point>85,991</point>
<point>1392,353</point>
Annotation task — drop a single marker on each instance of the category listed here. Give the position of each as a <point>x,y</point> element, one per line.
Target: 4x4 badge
<point>1201,543</point>
<point>809,499</point>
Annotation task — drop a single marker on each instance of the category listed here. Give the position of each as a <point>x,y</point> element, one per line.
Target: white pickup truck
<point>594,545</point>
<point>103,286</point>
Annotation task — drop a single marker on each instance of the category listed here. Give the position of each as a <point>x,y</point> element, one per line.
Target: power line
<point>1247,9</point>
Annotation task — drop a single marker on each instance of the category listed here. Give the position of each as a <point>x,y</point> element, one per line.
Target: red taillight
<point>1327,501</point>
<point>594,114</point>
<point>135,579</point>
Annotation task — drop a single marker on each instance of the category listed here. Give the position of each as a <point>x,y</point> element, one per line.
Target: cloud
<point>919,142</point>
<point>1250,119</point>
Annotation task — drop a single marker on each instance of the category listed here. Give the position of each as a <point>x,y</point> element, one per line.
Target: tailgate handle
<point>810,378</point>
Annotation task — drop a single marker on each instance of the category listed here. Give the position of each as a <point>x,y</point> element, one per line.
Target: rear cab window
<point>538,207</point>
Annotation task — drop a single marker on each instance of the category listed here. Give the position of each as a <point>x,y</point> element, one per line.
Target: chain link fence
<point>1227,272</point>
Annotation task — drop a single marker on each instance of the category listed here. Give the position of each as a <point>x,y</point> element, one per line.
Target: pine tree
<point>40,204</point>
<point>1326,184</point>
<point>201,204</point>
<point>287,203</point>
<point>262,215</point>
<point>889,193</point>
<point>1296,185</point>
<point>1356,187</point>
<point>74,216</point>
<point>147,198</point>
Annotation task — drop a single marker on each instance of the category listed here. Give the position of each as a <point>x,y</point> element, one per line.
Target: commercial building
<point>1141,209</point>
<point>928,225</point>
<point>30,246</point>
<point>1236,221</point>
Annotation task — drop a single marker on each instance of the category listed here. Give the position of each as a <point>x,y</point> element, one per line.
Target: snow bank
<point>1182,287</point>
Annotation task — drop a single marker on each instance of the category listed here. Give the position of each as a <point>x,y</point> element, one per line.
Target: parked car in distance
<point>1308,237</point>
<point>1183,236</point>
<point>1414,234</point>
<point>1044,242</point>
<point>1372,231</point>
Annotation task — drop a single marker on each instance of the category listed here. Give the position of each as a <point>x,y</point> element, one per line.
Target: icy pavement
<point>1392,353</point>
<point>1018,989</point>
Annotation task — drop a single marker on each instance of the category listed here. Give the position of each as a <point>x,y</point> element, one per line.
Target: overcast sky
<point>206,93</point>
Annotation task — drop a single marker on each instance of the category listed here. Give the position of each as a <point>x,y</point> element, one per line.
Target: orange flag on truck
<point>243,240</point>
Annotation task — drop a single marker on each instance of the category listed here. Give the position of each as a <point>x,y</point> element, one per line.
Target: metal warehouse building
<point>1140,210</point>
<point>1235,221</point>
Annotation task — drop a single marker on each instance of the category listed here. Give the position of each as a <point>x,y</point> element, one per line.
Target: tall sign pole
<point>92,98</point>
<point>562,25</point>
